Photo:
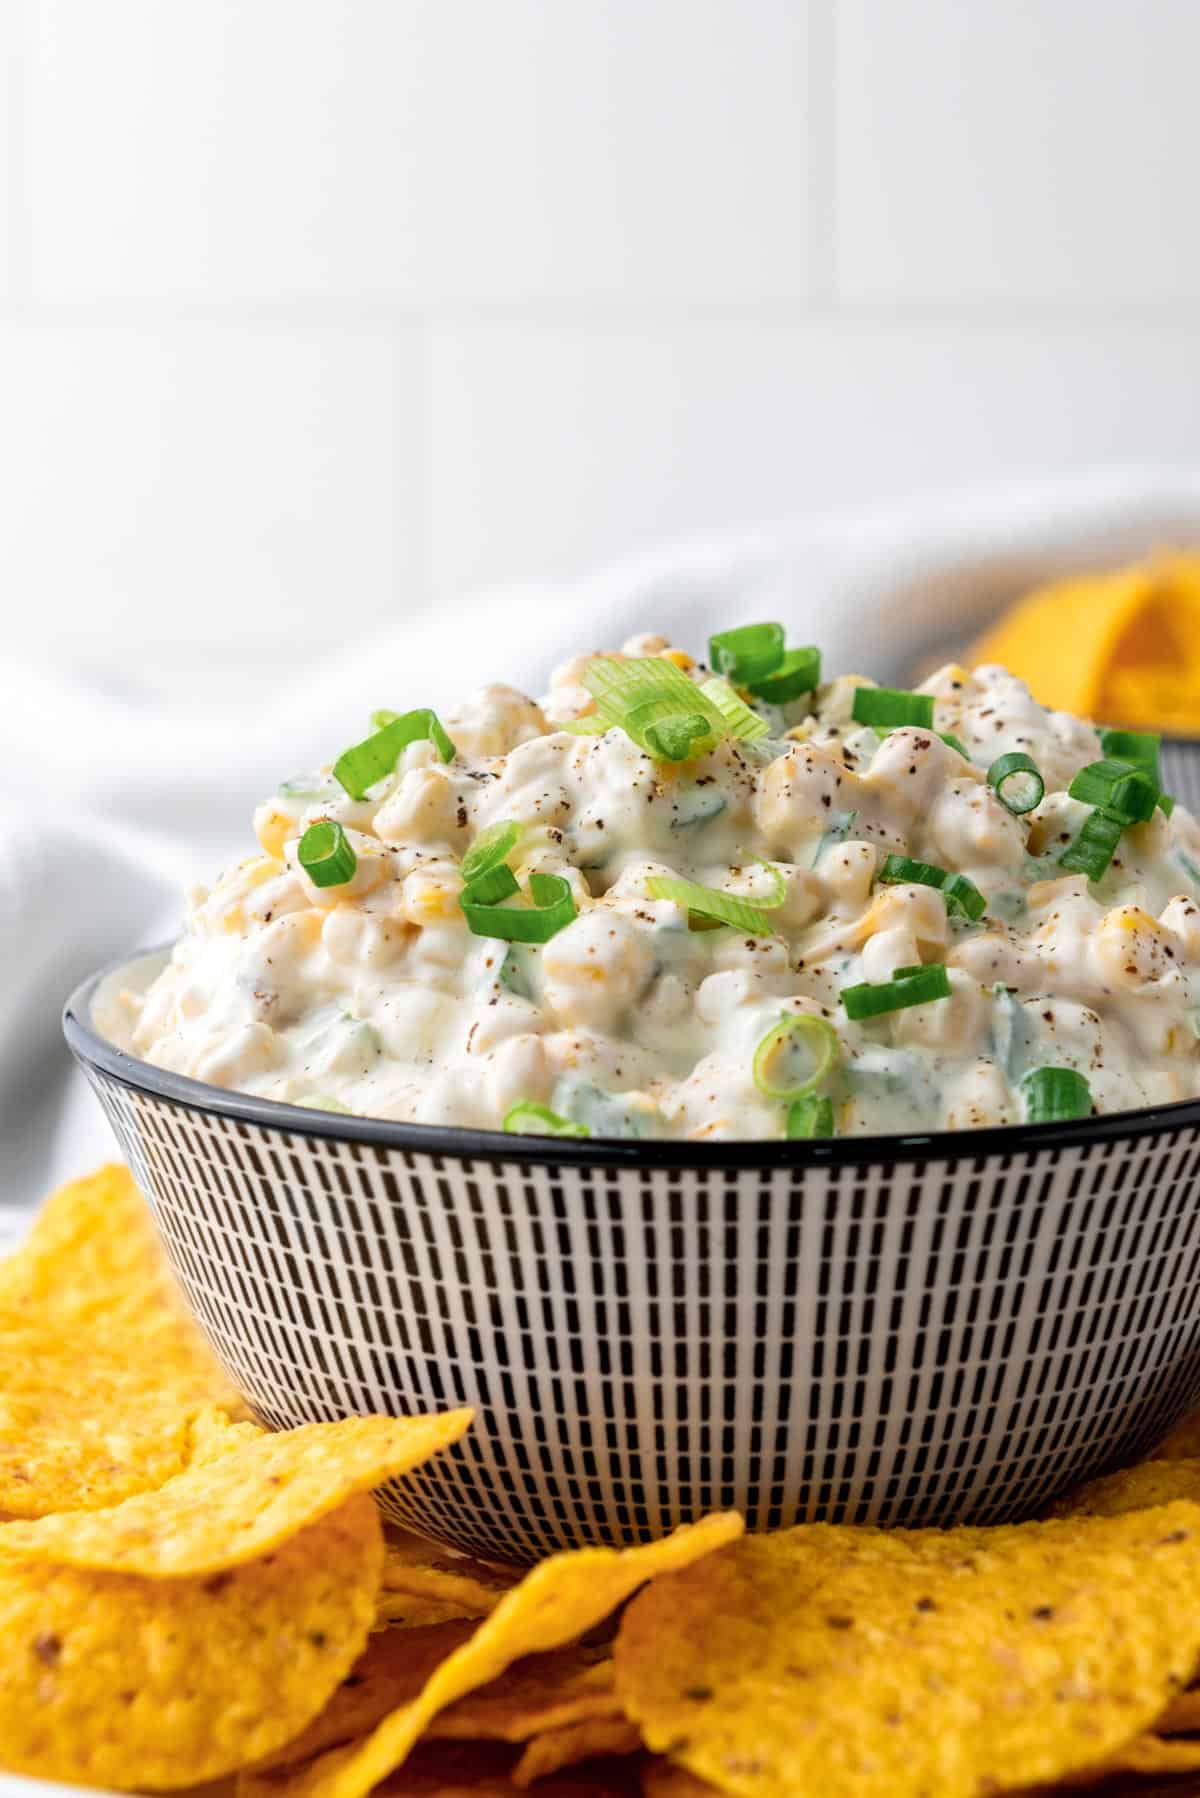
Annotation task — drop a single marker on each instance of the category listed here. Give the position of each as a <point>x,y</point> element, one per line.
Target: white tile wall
<point>1042,150</point>
<point>306,302</point>
<point>172,496</point>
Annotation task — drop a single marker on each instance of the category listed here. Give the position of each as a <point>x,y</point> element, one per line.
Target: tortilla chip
<point>556,1603</point>
<point>541,1692</point>
<point>484,1770</point>
<point>104,1379</point>
<point>113,1680</point>
<point>1181,1716</point>
<point>1150,1754</point>
<point>424,1570</point>
<point>663,1779</point>
<point>391,1671</point>
<point>239,1504</point>
<point>1183,1442</point>
<point>403,1610</point>
<point>92,1267</point>
<point>1132,1489</point>
<point>596,1738</point>
<point>888,1664</point>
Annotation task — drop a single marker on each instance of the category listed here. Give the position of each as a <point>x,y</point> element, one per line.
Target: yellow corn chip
<point>555,1603</point>
<point>391,1671</point>
<point>426,1571</point>
<point>1181,1716</point>
<point>404,1610</point>
<point>1133,635</point>
<point>541,1692</point>
<point>1150,1754</point>
<point>239,1504</point>
<point>104,1379</point>
<point>92,1269</point>
<point>663,1779</point>
<point>1183,1442</point>
<point>114,1680</point>
<point>1132,1489</point>
<point>482,1770</point>
<point>858,1663</point>
<point>596,1738</point>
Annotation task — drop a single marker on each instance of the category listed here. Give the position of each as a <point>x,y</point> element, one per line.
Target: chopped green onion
<point>893,707</point>
<point>1120,788</point>
<point>590,725</point>
<point>743,723</point>
<point>492,887</point>
<point>798,673</point>
<point>528,1119</point>
<point>952,742</point>
<point>808,1117</point>
<point>326,855</point>
<point>1021,768</point>
<point>553,906</point>
<point>963,897</point>
<point>710,902</point>
<point>677,738</point>
<point>359,767</point>
<point>1094,844</point>
<point>491,846</point>
<point>908,986</point>
<point>748,653</point>
<point>1052,1095</point>
<point>1141,747</point>
<point>645,691</point>
<point>960,894</point>
<point>819,1037</point>
<point>322,1102</point>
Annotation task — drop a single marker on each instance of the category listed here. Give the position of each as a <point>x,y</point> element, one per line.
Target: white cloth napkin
<point>124,804</point>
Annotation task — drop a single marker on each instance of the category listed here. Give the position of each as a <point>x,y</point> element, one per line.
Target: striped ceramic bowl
<point>907,1330</point>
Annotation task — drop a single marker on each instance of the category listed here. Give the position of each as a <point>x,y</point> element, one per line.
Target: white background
<point>314,313</point>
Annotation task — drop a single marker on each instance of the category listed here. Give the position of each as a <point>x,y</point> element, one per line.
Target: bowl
<point>897,1330</point>
<point>1179,760</point>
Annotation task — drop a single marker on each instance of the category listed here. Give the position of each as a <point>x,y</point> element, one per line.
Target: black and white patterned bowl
<point>900,1330</point>
<point>1179,762</point>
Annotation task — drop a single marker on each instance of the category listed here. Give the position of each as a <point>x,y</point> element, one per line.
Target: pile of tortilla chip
<point>1134,640</point>
<point>187,1599</point>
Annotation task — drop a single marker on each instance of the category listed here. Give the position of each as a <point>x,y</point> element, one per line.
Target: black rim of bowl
<point>453,1143</point>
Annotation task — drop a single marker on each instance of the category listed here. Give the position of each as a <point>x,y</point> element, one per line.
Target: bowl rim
<point>457,1143</point>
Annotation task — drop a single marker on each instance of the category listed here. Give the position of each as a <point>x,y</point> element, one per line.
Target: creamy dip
<point>645,1015</point>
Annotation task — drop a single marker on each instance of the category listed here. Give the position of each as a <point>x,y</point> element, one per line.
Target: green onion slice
<point>528,1119</point>
<point>1121,788</point>
<point>326,855</point>
<point>743,723</point>
<point>908,986</point>
<point>1094,844</point>
<point>1021,769</point>
<point>675,738</point>
<point>359,767</point>
<point>491,846</point>
<point>798,673</point>
<point>893,707</point>
<point>819,1038</point>
<point>1142,748</point>
<point>648,691</point>
<point>749,915</point>
<point>809,1117</point>
<point>961,895</point>
<point>1053,1095</point>
<point>748,653</point>
<point>952,742</point>
<point>552,908</point>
